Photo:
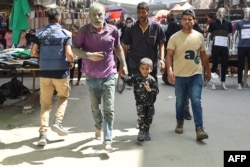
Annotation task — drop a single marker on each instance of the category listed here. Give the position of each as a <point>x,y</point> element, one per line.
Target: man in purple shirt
<point>98,41</point>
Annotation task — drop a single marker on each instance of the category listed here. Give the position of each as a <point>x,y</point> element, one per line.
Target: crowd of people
<point>141,47</point>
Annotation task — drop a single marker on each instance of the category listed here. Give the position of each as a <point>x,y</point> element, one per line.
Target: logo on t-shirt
<point>190,55</point>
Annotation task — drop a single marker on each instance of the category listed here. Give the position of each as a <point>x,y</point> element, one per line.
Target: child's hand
<point>146,85</point>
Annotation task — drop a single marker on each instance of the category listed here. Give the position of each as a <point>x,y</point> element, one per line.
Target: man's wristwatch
<point>162,59</point>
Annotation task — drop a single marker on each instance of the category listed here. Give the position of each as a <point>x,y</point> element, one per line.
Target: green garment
<point>19,19</point>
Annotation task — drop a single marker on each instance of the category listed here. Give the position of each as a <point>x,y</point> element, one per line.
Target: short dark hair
<point>189,12</point>
<point>53,14</point>
<point>143,5</point>
<point>210,15</point>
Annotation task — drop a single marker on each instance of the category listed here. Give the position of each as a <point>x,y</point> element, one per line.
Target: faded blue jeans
<point>102,90</point>
<point>193,87</point>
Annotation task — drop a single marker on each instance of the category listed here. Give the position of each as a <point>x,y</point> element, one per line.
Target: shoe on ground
<point>201,134</point>
<point>179,127</point>
<point>223,85</point>
<point>77,83</point>
<point>147,136</point>
<point>213,87</point>
<point>239,87</point>
<point>56,127</point>
<point>98,134</point>
<point>42,141</point>
<point>71,82</point>
<point>141,136</point>
<point>130,85</point>
<point>109,148</point>
<point>187,115</point>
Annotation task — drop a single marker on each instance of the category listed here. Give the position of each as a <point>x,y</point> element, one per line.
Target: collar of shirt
<point>104,29</point>
<point>144,28</point>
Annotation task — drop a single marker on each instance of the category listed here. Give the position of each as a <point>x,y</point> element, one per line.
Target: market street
<point>226,120</point>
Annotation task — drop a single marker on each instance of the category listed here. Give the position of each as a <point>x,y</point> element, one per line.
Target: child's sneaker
<point>147,136</point>
<point>141,136</point>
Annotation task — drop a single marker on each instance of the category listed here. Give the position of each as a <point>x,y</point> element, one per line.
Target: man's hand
<point>171,78</point>
<point>208,75</point>
<point>123,71</point>
<point>71,65</point>
<point>162,66</point>
<point>95,56</point>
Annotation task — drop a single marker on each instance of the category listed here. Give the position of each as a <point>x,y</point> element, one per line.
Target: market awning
<point>114,12</point>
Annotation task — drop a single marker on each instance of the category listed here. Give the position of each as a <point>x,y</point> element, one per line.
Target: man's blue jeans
<point>103,89</point>
<point>193,87</point>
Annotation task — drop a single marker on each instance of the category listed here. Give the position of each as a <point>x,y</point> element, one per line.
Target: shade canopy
<point>114,12</point>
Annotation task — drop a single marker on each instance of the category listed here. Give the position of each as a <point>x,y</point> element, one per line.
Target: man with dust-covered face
<point>98,42</point>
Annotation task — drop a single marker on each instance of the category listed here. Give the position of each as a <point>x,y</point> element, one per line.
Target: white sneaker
<point>223,85</point>
<point>42,141</point>
<point>59,129</point>
<point>213,87</point>
<point>239,87</point>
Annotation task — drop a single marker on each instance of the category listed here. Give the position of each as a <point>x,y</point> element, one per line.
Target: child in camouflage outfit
<point>145,92</point>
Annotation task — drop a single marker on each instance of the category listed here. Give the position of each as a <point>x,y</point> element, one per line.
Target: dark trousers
<point>79,72</point>
<point>242,53</point>
<point>220,54</point>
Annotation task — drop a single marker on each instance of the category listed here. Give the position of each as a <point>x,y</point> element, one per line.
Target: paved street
<point>226,120</point>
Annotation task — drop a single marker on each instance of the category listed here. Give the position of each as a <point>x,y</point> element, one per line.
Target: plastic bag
<point>215,77</point>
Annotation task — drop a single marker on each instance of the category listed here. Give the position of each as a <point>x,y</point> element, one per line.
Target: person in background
<point>79,72</point>
<point>243,36</point>
<point>22,41</point>
<point>210,19</point>
<point>54,62</point>
<point>144,38</point>
<point>145,91</point>
<point>30,37</point>
<point>101,40</point>
<point>128,22</point>
<point>78,61</point>
<point>8,38</point>
<point>185,57</point>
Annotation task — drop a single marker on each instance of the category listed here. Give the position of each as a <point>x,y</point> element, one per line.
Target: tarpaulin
<point>19,19</point>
